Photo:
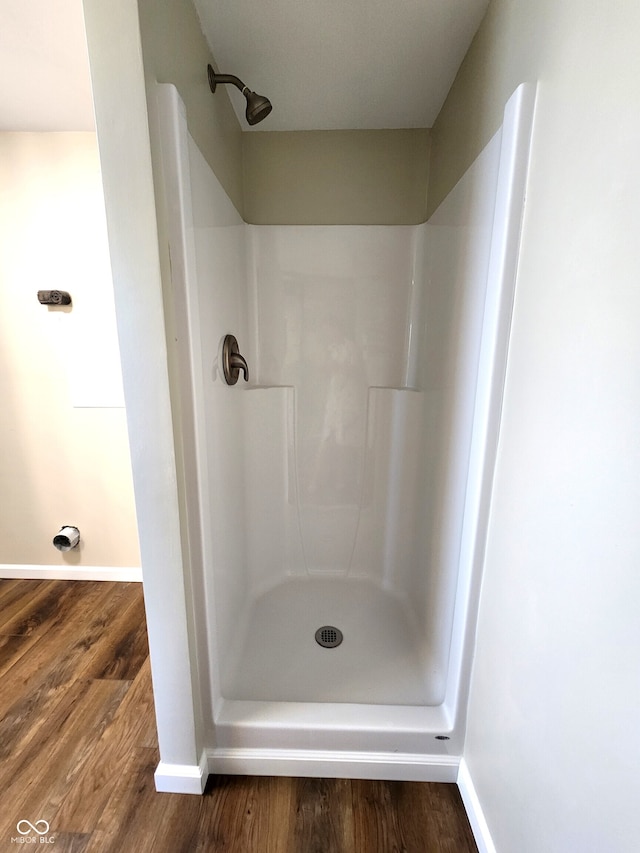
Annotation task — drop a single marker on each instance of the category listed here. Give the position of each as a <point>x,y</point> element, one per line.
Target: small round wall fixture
<point>66,538</point>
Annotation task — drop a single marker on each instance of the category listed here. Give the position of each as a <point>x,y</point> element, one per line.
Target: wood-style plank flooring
<point>78,750</point>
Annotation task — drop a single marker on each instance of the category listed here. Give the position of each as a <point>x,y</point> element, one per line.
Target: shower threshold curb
<point>407,767</point>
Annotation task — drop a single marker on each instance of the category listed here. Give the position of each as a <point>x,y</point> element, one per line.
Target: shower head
<point>258,107</point>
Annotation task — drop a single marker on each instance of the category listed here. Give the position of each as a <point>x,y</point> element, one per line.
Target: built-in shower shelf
<point>267,387</point>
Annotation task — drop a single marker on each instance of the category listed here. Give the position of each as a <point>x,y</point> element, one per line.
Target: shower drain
<point>328,637</point>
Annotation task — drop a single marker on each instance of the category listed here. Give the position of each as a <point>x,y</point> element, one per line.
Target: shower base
<point>380,660</point>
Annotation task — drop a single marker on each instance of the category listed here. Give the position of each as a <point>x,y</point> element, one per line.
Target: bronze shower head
<point>258,107</point>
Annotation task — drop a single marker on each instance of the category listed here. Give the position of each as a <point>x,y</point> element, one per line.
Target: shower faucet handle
<point>238,362</point>
<point>232,361</point>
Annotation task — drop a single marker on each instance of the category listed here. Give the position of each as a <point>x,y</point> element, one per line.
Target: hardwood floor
<point>78,750</point>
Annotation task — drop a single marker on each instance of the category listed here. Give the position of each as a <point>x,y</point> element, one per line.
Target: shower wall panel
<point>458,243</point>
<point>217,304</point>
<point>332,319</point>
<point>274,547</point>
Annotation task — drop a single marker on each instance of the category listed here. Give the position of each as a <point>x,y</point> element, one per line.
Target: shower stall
<point>336,501</point>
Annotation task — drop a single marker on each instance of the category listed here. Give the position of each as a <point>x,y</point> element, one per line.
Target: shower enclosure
<point>346,485</point>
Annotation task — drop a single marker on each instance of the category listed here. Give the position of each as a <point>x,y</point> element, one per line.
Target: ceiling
<point>329,64</point>
<point>342,64</point>
<point>44,68</point>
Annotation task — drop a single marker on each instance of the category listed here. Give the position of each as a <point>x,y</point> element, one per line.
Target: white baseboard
<point>182,778</point>
<point>333,764</point>
<point>191,778</point>
<point>72,573</point>
<point>474,811</point>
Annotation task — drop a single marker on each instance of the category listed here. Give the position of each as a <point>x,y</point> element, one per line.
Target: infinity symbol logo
<point>32,828</point>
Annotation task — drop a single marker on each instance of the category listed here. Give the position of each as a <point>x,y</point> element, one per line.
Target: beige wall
<point>504,53</point>
<point>65,456</point>
<point>553,743</point>
<point>334,177</point>
<point>175,51</point>
<point>315,177</point>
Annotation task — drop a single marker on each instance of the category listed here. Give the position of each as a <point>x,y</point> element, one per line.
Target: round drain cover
<point>328,637</point>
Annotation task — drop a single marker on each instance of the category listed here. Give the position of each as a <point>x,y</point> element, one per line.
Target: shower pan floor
<point>379,661</point>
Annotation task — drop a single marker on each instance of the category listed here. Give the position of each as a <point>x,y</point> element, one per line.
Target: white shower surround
<point>418,319</point>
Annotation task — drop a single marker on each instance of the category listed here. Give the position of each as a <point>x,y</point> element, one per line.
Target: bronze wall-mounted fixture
<point>54,297</point>
<point>258,107</point>
<point>232,361</point>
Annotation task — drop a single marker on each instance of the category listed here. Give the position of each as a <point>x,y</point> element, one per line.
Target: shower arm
<point>214,79</point>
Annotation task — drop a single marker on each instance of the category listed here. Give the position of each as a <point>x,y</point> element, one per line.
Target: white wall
<point>122,124</point>
<point>553,743</point>
<point>63,427</point>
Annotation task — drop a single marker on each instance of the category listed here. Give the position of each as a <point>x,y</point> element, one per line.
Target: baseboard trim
<point>72,573</point>
<point>474,811</point>
<point>333,764</point>
<point>182,778</point>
